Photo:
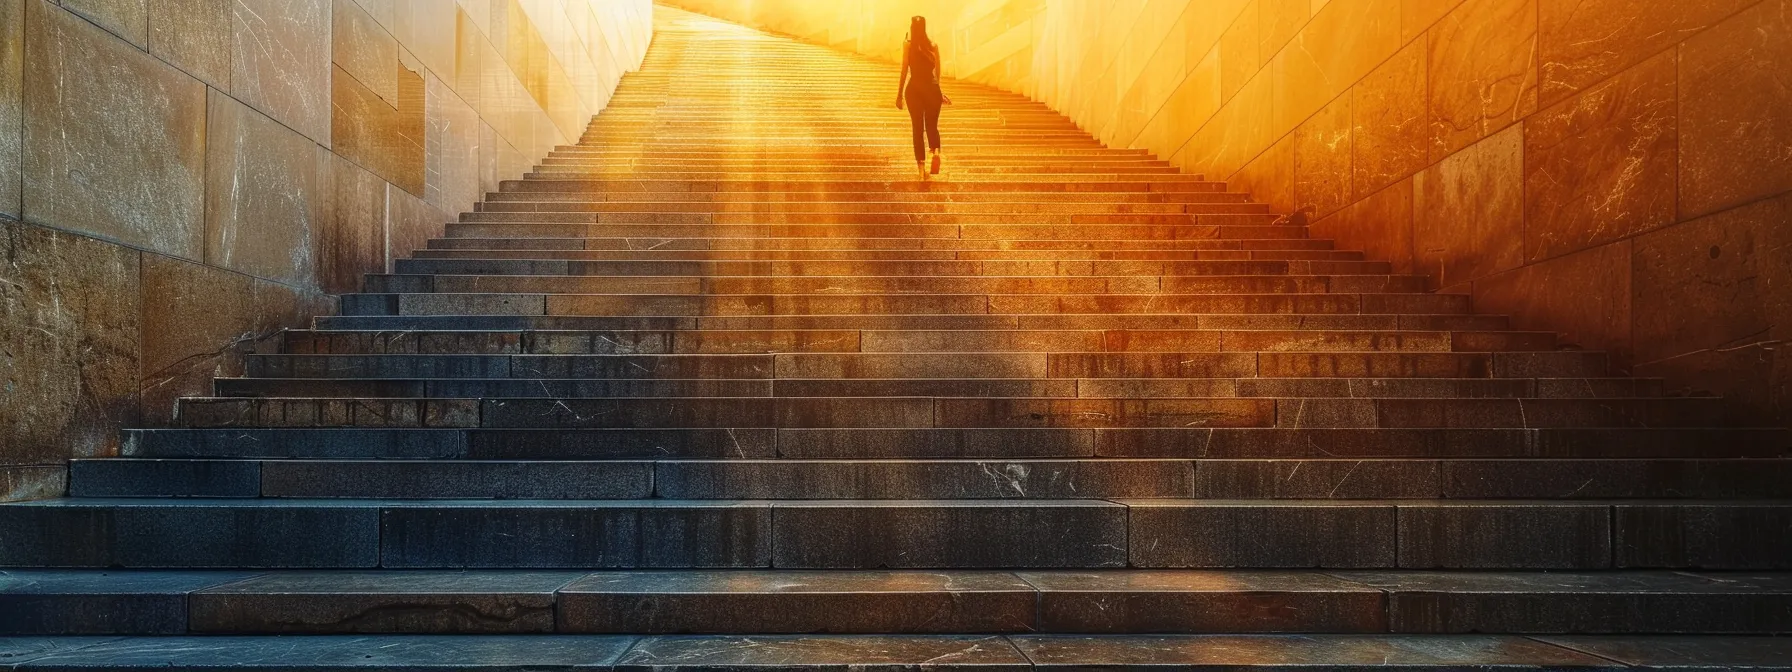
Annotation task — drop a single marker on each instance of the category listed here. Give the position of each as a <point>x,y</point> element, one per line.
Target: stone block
<point>128,19</point>
<point>387,137</point>
<point>197,534</point>
<point>73,602</point>
<point>1706,535</point>
<point>1212,534</point>
<point>1295,651</point>
<point>1317,479</point>
<point>385,602</point>
<point>1016,443</point>
<point>1732,99</point>
<point>164,478</point>
<point>352,223</point>
<point>790,601</point>
<point>1482,69</point>
<point>560,444</point>
<point>1579,602</point>
<point>114,139</point>
<point>72,314</point>
<point>1601,165</point>
<point>405,479</point>
<point>1201,601</point>
<point>1322,160</point>
<point>261,214</point>
<point>344,652</point>
<point>1028,479</point>
<point>957,534</point>
<point>1505,536</point>
<point>1582,43</point>
<point>280,62</point>
<point>12,111</point>
<point>1391,132</point>
<point>451,148</point>
<point>596,534</point>
<point>364,50</point>
<point>1691,653</point>
<point>296,443</point>
<point>1380,224</point>
<point>1585,297</point>
<point>1469,209</point>
<point>195,36</point>
<point>881,652</point>
<point>198,323</point>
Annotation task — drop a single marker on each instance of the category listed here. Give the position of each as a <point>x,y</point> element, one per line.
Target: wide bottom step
<point>893,653</point>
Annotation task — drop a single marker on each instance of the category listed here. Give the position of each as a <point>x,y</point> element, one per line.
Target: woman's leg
<point>933,126</point>
<point>918,119</point>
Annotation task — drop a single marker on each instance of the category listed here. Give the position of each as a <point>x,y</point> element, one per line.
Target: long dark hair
<point>918,44</point>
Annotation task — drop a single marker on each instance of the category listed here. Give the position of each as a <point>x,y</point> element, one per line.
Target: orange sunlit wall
<point>1613,170</point>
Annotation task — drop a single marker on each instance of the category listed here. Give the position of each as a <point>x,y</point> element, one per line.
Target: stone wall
<point>1614,170</point>
<point>180,179</point>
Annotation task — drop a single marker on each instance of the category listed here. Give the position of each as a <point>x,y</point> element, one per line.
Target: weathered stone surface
<point>164,478</point>
<point>921,533</point>
<point>1317,479</point>
<point>1322,158</point>
<point>451,148</point>
<point>1468,211</point>
<point>20,483</point>
<point>792,601</point>
<point>1391,134</point>
<point>403,479</point>
<point>386,602</point>
<point>990,653</point>
<point>1482,65</point>
<point>598,534</point>
<point>364,50</point>
<point>1707,298</point>
<point>70,352</point>
<point>387,138</point>
<point>410,222</point>
<point>195,36</point>
<point>1516,536</point>
<point>280,62</point>
<point>1601,166</point>
<point>261,184</point>
<point>344,652</point>
<point>1018,479</point>
<point>1595,316</point>
<point>1295,651</point>
<point>1685,653</point>
<point>128,19</point>
<point>1706,535</point>
<point>1183,533</point>
<point>1201,601</point>
<point>1733,129</point>
<point>1381,225</point>
<point>1238,55</point>
<point>64,602</point>
<point>198,323</point>
<point>1582,42</point>
<point>114,138</point>
<point>1584,602</point>
<point>1615,478</point>
<point>352,208</point>
<point>12,83</point>
<point>195,534</point>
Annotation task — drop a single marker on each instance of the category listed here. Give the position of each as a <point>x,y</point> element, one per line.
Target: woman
<point>922,93</point>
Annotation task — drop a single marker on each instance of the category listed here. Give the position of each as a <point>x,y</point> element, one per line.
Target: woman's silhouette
<point>921,92</point>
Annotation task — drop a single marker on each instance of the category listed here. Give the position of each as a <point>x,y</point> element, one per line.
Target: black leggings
<point>924,115</point>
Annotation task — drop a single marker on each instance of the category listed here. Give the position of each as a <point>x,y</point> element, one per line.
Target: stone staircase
<point>725,386</point>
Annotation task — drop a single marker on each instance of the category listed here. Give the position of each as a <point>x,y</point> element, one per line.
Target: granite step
<point>985,365</point>
<point>730,602</point>
<point>654,225</point>
<point>718,305</point>
<point>1018,225</point>
<point>844,653</point>
<point>1561,479</point>
<point>729,341</point>
<point>1710,534</point>
<point>1008,443</point>
<point>563,267</point>
<point>761,184</point>
<point>1013,207</point>
<point>889,284</point>
<point>1148,321</point>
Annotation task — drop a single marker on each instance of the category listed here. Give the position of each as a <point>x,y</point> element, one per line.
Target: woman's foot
<point>922,169</point>
<point>936,162</point>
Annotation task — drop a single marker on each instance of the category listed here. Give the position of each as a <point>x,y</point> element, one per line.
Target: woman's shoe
<point>936,162</point>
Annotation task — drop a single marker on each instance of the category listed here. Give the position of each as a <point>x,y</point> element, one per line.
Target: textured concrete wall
<point>1615,170</point>
<point>180,179</point>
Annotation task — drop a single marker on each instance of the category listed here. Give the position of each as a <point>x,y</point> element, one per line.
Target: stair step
<point>918,534</point>
<point>1286,321</point>
<point>850,285</point>
<point>567,267</point>
<point>77,602</point>
<point>1081,478</point>
<point>1007,443</point>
